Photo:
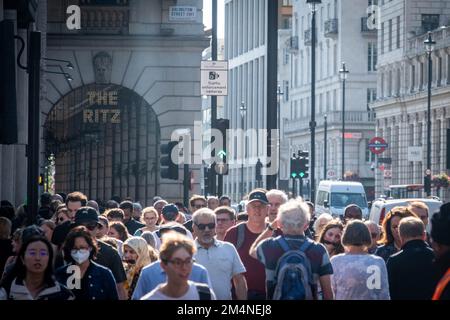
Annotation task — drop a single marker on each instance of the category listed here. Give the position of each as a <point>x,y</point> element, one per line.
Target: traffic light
<point>223,125</point>
<point>294,166</point>
<point>169,170</point>
<point>427,184</point>
<point>8,101</point>
<point>304,164</point>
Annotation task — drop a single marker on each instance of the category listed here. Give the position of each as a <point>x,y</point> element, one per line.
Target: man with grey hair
<point>276,199</point>
<point>375,233</point>
<point>213,202</point>
<point>293,219</point>
<point>411,271</point>
<point>220,258</point>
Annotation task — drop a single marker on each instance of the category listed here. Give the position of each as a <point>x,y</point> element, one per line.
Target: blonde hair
<point>149,210</point>
<point>171,242</point>
<point>140,246</point>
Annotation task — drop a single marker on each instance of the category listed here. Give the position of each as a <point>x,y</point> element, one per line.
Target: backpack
<point>240,235</point>
<point>293,274</point>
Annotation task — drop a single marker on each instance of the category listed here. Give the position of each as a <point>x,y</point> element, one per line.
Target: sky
<point>207,17</point>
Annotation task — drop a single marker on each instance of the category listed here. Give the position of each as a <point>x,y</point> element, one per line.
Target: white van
<point>333,196</point>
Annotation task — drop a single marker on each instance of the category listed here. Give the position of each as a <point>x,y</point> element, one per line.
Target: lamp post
<point>312,124</point>
<point>243,110</point>
<point>429,47</point>
<point>279,95</point>
<point>343,72</point>
<point>325,127</point>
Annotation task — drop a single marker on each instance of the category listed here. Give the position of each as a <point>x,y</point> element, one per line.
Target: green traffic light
<point>293,174</point>
<point>301,174</point>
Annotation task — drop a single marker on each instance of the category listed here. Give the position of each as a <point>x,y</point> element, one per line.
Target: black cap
<point>86,215</point>
<point>257,195</point>
<point>126,205</point>
<point>170,212</point>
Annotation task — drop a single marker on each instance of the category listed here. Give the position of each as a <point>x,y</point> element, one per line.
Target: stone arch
<point>105,139</point>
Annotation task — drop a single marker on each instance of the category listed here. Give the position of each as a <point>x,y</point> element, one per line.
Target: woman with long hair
<point>31,277</point>
<point>330,236</point>
<point>391,242</point>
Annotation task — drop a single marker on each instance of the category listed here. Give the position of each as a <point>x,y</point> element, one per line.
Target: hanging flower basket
<point>440,180</point>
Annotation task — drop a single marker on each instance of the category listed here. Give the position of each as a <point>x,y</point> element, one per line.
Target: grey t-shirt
<point>359,277</point>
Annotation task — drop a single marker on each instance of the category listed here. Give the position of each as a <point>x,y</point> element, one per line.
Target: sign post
<point>214,78</point>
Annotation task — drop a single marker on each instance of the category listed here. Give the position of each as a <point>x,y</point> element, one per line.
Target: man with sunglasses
<point>196,202</point>
<point>107,256</point>
<point>218,257</point>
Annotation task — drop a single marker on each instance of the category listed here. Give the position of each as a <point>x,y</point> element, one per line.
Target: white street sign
<point>182,13</point>
<point>415,154</point>
<point>388,174</point>
<point>214,78</point>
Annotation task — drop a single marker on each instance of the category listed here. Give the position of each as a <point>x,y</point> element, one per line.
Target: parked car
<point>333,196</point>
<point>381,207</point>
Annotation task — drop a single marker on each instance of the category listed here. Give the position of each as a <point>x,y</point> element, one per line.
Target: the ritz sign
<point>102,98</point>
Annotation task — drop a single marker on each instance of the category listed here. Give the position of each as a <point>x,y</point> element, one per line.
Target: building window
<point>372,57</point>
<point>382,37</point>
<point>397,83</point>
<point>421,75</point>
<point>285,56</point>
<point>430,22</point>
<point>413,78</point>
<point>382,85</point>
<point>286,91</point>
<point>439,71</point>
<point>390,84</point>
<point>390,34</point>
<point>398,32</point>
<point>328,106</point>
<point>371,95</point>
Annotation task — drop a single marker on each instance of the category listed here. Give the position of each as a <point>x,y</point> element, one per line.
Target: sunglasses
<point>179,263</point>
<point>202,226</point>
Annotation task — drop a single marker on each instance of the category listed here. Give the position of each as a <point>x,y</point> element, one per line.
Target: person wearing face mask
<point>331,237</point>
<point>136,255</point>
<point>87,279</point>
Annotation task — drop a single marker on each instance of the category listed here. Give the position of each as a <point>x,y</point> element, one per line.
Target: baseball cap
<point>86,215</point>
<point>170,212</point>
<point>257,195</point>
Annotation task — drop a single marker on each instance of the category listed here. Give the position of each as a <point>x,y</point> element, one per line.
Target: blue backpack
<point>293,274</point>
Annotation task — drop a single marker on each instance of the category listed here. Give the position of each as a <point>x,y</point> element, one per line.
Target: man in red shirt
<point>244,234</point>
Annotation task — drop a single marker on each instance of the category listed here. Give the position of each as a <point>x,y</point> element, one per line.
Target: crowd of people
<point>273,248</point>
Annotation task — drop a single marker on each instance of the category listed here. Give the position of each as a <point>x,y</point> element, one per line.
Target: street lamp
<point>343,73</point>
<point>429,47</point>
<point>325,127</point>
<point>69,64</point>
<point>312,124</point>
<point>279,95</point>
<point>243,110</point>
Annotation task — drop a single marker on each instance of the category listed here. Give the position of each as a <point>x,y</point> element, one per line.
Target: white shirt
<point>222,262</point>
<point>191,294</point>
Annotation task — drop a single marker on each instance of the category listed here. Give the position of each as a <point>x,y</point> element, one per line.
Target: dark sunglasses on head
<point>202,226</point>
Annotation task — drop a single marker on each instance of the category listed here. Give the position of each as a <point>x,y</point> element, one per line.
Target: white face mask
<point>80,256</point>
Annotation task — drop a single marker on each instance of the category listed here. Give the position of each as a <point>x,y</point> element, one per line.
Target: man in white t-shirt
<point>220,258</point>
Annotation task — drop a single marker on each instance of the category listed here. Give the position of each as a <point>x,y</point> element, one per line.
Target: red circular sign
<point>377,145</point>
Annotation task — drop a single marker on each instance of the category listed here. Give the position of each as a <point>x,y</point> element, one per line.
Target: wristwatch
<point>269,226</point>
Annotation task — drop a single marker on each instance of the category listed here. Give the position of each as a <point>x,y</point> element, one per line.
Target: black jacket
<point>411,272</point>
